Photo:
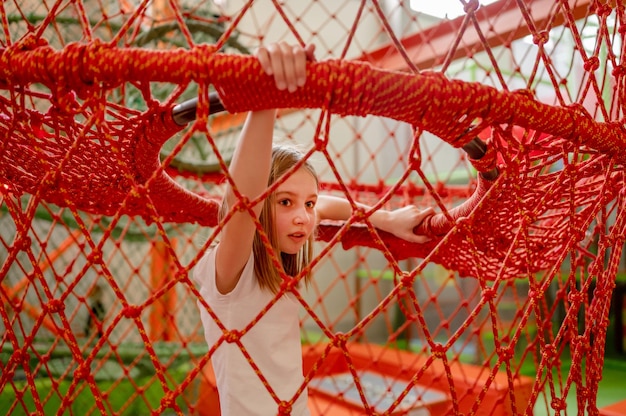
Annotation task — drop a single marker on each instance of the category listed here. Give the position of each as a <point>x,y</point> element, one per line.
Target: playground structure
<point>109,198</point>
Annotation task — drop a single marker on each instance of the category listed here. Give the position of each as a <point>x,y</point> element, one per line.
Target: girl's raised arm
<point>250,165</point>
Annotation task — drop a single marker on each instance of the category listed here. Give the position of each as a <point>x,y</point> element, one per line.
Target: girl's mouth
<point>297,236</point>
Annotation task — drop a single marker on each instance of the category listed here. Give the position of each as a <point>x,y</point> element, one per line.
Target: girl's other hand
<point>402,221</point>
<point>287,63</point>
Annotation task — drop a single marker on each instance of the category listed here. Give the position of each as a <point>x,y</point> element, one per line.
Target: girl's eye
<point>310,204</point>
<point>284,202</point>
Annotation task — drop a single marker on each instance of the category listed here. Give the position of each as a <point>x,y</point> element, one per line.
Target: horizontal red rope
<point>442,106</point>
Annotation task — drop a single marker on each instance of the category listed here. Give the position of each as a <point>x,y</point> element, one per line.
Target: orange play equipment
<point>431,383</point>
<point>615,409</point>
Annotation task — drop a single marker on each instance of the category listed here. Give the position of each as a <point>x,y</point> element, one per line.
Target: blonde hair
<point>284,157</point>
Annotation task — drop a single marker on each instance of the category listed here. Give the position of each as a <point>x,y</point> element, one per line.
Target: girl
<point>258,363</point>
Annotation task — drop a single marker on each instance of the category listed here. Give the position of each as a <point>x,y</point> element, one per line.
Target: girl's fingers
<point>286,63</point>
<point>426,213</point>
<point>290,57</point>
<point>276,56</point>
<point>264,59</point>
<point>421,239</point>
<point>300,56</point>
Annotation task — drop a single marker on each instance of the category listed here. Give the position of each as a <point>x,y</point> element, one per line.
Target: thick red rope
<point>442,106</point>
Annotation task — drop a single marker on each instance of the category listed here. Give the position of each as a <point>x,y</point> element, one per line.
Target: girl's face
<point>294,208</point>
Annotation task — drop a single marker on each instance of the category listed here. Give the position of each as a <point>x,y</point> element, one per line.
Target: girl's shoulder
<point>205,266</point>
<point>205,276</point>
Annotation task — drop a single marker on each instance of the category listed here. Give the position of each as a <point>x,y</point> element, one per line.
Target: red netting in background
<point>109,199</point>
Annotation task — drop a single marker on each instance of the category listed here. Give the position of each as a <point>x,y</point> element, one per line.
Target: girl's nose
<point>302,217</point>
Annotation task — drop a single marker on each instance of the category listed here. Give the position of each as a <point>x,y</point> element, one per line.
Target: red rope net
<point>110,194</point>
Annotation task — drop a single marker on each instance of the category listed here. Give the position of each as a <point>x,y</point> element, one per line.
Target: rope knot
<point>95,257</point>
<point>65,101</point>
<point>93,53</point>
<point>575,298</point>
<point>359,215</point>
<point>603,9</point>
<point>23,243</point>
<point>232,336</point>
<point>82,372</point>
<point>75,75</point>
<point>320,143</point>
<point>407,280</point>
<point>558,404</point>
<point>592,64</point>
<point>200,64</point>
<point>30,42</point>
<point>582,342</point>
<point>243,203</point>
<point>201,53</point>
<point>438,351</point>
<point>284,408</point>
<point>205,49</point>
<point>505,352</point>
<point>340,339</point>
<point>21,356</point>
<point>549,352</point>
<point>541,38</point>
<point>131,311</point>
<point>54,306</point>
<point>488,294</point>
<point>471,6</point>
<point>167,401</point>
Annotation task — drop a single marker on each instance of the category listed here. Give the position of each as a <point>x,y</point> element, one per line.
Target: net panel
<point>108,200</point>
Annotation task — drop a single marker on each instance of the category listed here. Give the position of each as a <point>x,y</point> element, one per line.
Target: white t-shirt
<point>273,343</point>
